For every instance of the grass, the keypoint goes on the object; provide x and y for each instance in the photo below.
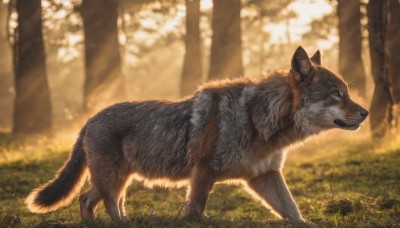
(336, 181)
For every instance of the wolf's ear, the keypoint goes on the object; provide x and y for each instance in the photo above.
(301, 65)
(316, 58)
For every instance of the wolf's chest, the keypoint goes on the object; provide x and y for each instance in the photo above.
(254, 166)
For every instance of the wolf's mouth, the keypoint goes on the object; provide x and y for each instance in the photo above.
(342, 124)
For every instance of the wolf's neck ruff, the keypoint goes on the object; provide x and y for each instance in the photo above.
(253, 120)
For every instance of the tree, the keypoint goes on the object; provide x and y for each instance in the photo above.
(192, 66)
(393, 45)
(6, 74)
(103, 82)
(350, 42)
(32, 112)
(382, 101)
(226, 46)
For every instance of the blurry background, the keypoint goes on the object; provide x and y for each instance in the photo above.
(63, 59)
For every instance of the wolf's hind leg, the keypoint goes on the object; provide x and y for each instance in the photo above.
(114, 198)
(201, 183)
(88, 202)
(110, 180)
(272, 188)
(105, 183)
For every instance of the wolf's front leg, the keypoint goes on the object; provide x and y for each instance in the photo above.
(271, 187)
(201, 182)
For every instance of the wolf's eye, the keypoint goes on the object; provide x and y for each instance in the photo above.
(336, 93)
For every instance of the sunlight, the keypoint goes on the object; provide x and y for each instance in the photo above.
(67, 54)
(147, 68)
(206, 4)
(122, 38)
(174, 23)
(74, 39)
(307, 11)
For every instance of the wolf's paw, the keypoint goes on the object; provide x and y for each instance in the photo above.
(193, 213)
(194, 217)
(302, 223)
(124, 218)
(309, 224)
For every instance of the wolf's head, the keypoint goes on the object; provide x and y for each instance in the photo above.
(321, 98)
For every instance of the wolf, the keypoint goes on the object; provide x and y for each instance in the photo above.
(233, 129)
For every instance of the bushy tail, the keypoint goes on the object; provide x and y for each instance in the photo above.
(66, 184)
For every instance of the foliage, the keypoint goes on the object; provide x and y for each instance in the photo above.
(322, 28)
(274, 10)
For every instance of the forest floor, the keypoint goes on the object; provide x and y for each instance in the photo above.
(337, 181)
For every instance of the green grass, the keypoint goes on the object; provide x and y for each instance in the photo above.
(337, 182)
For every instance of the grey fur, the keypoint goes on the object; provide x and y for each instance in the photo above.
(236, 129)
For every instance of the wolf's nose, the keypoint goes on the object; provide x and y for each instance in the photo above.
(364, 113)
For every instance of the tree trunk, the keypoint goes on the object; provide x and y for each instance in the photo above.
(382, 100)
(103, 83)
(6, 74)
(226, 46)
(393, 45)
(32, 113)
(192, 66)
(350, 44)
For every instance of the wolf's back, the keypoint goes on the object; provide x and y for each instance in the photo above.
(66, 184)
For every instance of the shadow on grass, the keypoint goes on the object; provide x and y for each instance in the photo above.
(163, 221)
(20, 177)
(11, 218)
